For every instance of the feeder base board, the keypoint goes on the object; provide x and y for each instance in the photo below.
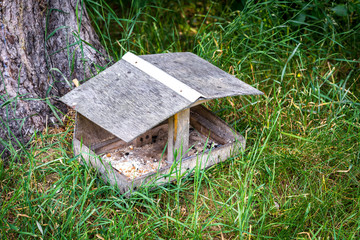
(162, 175)
(144, 160)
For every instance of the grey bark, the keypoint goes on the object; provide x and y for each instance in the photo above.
(39, 39)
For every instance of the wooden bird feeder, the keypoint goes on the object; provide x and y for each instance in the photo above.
(142, 115)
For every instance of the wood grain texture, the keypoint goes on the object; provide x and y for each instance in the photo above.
(233, 143)
(125, 101)
(35, 36)
(204, 77)
(91, 134)
(170, 144)
(181, 134)
(171, 173)
(73, 39)
(178, 135)
(105, 170)
(210, 125)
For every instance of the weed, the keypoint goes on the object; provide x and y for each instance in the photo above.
(299, 176)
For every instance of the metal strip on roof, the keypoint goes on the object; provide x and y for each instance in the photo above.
(137, 93)
(169, 81)
(200, 75)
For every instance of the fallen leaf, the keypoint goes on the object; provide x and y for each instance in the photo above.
(76, 82)
(99, 237)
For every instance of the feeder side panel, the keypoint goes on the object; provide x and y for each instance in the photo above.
(210, 125)
(107, 173)
(89, 133)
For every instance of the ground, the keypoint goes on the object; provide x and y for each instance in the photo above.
(299, 176)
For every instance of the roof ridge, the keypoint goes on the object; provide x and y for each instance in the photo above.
(174, 84)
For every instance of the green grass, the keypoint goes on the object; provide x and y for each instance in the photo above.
(299, 177)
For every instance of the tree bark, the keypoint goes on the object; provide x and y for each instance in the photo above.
(44, 45)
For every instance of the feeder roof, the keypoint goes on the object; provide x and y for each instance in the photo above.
(139, 92)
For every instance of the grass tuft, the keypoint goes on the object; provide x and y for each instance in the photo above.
(299, 176)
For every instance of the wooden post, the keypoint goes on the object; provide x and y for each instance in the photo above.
(170, 144)
(178, 136)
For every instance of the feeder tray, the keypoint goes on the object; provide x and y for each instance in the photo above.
(141, 120)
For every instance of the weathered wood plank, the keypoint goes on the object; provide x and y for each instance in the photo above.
(203, 161)
(197, 73)
(170, 144)
(181, 133)
(91, 134)
(210, 125)
(125, 101)
(201, 101)
(206, 159)
(147, 137)
(107, 173)
(178, 135)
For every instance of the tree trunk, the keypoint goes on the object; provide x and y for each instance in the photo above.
(44, 45)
